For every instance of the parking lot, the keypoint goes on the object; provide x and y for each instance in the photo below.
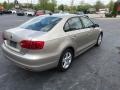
(96, 69)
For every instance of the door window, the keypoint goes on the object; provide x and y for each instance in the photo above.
(73, 24)
(87, 22)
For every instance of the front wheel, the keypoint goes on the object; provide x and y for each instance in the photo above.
(65, 60)
(99, 40)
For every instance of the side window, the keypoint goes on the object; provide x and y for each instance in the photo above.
(73, 24)
(87, 22)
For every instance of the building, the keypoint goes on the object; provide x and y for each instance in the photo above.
(117, 7)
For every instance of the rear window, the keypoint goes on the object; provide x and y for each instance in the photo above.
(43, 23)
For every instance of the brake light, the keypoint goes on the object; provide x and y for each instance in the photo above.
(28, 44)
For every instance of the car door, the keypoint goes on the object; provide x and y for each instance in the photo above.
(90, 30)
(74, 28)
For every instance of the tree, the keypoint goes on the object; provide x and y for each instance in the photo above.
(46, 5)
(61, 7)
(53, 5)
(11, 5)
(0, 3)
(114, 12)
(43, 4)
(37, 7)
(99, 5)
(5, 5)
(110, 5)
(84, 7)
(67, 8)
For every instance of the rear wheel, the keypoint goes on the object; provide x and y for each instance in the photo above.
(65, 60)
(99, 40)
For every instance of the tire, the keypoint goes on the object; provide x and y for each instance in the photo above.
(99, 40)
(64, 64)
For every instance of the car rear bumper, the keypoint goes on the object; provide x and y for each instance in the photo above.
(32, 64)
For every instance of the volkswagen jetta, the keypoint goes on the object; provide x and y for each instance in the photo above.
(50, 41)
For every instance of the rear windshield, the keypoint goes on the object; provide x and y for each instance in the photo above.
(43, 23)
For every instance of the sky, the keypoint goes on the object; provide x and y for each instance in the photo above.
(67, 2)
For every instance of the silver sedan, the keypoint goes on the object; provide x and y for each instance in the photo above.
(50, 41)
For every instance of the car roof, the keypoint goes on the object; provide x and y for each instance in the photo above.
(66, 15)
(63, 15)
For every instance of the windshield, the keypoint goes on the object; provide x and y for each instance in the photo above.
(43, 23)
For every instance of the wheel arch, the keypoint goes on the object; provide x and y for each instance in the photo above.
(71, 48)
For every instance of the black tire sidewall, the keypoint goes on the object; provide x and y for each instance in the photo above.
(97, 44)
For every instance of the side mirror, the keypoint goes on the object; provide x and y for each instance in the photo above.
(95, 25)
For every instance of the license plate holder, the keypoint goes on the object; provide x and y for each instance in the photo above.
(13, 44)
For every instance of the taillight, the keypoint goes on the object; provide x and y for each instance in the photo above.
(28, 44)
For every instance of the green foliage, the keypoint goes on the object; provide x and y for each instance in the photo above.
(5, 5)
(37, 7)
(110, 5)
(99, 5)
(52, 5)
(114, 12)
(73, 9)
(11, 5)
(46, 5)
(66, 8)
(43, 4)
(84, 7)
(61, 7)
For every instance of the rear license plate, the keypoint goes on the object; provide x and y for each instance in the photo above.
(13, 44)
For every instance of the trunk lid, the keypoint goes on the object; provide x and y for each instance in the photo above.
(13, 37)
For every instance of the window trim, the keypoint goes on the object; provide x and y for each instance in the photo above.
(69, 24)
(88, 19)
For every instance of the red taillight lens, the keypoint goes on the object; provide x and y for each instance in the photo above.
(32, 44)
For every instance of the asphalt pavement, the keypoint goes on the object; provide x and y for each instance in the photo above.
(96, 69)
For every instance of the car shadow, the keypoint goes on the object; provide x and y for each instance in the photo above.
(26, 80)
